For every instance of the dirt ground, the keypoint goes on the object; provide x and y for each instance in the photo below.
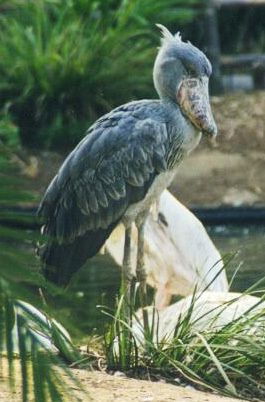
(229, 172)
(102, 387)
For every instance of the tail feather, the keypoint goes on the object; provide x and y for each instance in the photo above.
(61, 261)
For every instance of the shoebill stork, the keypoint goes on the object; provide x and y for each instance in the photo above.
(128, 157)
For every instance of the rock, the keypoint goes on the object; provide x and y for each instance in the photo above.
(237, 198)
(119, 374)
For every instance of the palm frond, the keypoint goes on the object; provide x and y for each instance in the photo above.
(36, 339)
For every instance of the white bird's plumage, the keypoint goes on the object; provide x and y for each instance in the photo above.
(210, 311)
(178, 254)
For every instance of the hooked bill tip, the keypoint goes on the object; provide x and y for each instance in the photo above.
(211, 132)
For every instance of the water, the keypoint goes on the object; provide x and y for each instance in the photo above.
(97, 283)
(247, 246)
(93, 289)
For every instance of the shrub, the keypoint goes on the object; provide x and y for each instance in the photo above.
(64, 63)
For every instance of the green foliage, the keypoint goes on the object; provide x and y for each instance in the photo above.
(11, 192)
(120, 347)
(64, 63)
(9, 132)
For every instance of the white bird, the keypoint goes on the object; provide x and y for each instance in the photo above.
(210, 311)
(179, 254)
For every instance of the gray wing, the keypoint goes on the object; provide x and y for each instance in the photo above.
(112, 168)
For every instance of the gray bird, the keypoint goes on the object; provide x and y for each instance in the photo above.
(128, 157)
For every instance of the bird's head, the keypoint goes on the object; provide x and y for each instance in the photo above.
(181, 74)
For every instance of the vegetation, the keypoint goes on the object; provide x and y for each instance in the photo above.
(22, 334)
(23, 329)
(64, 63)
(227, 358)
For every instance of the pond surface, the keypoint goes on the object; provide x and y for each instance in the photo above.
(246, 245)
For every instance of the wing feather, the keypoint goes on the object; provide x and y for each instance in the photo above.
(112, 167)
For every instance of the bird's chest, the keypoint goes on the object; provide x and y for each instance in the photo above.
(183, 139)
(160, 183)
(188, 142)
(191, 140)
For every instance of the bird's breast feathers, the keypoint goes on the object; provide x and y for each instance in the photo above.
(160, 183)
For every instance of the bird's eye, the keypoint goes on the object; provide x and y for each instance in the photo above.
(191, 72)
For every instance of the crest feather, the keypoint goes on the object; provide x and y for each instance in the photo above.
(167, 35)
(178, 37)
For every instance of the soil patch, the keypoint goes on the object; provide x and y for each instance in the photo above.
(102, 387)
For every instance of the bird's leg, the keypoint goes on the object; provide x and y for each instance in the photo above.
(126, 311)
(126, 266)
(140, 272)
(155, 210)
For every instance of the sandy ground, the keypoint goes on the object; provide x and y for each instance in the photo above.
(102, 387)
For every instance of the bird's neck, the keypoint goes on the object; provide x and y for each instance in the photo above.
(183, 136)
